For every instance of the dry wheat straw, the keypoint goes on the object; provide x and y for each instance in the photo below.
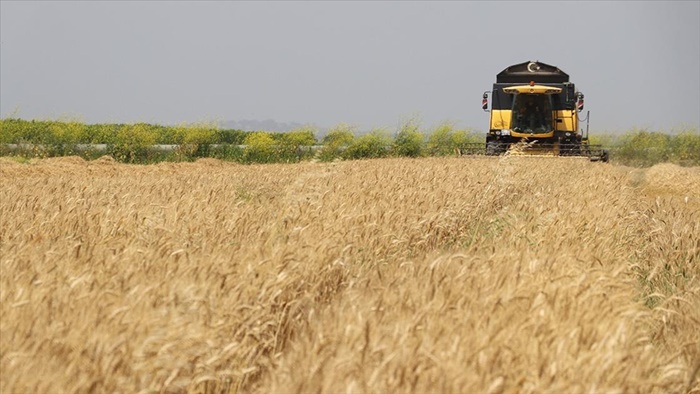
(516, 274)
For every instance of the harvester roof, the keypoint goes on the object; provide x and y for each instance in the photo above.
(532, 71)
(532, 89)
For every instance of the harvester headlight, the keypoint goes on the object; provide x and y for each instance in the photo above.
(568, 134)
(505, 132)
(498, 132)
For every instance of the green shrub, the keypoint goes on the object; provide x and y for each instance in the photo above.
(230, 136)
(461, 137)
(605, 140)
(68, 132)
(17, 131)
(685, 148)
(11, 131)
(194, 140)
(409, 140)
(294, 145)
(371, 145)
(643, 148)
(133, 143)
(62, 138)
(101, 134)
(441, 141)
(230, 152)
(337, 140)
(199, 135)
(260, 148)
(444, 140)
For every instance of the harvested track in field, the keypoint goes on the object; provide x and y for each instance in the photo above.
(397, 275)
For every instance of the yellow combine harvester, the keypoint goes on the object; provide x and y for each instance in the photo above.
(535, 111)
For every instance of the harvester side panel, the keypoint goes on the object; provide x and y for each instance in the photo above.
(567, 120)
(500, 119)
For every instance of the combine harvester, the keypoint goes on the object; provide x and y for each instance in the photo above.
(535, 111)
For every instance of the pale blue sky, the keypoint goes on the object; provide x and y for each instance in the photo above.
(365, 63)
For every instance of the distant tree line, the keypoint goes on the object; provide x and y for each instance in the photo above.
(134, 143)
(644, 148)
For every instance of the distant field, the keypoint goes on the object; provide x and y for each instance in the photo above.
(489, 275)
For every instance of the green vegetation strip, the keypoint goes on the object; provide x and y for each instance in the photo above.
(147, 143)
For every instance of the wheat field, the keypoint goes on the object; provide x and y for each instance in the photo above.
(441, 275)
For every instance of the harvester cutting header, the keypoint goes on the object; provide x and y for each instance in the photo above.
(535, 111)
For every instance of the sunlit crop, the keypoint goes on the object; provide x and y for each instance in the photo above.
(488, 275)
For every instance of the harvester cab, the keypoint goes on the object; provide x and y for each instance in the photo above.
(535, 111)
(532, 114)
(532, 109)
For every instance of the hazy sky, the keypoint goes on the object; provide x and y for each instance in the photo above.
(366, 63)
